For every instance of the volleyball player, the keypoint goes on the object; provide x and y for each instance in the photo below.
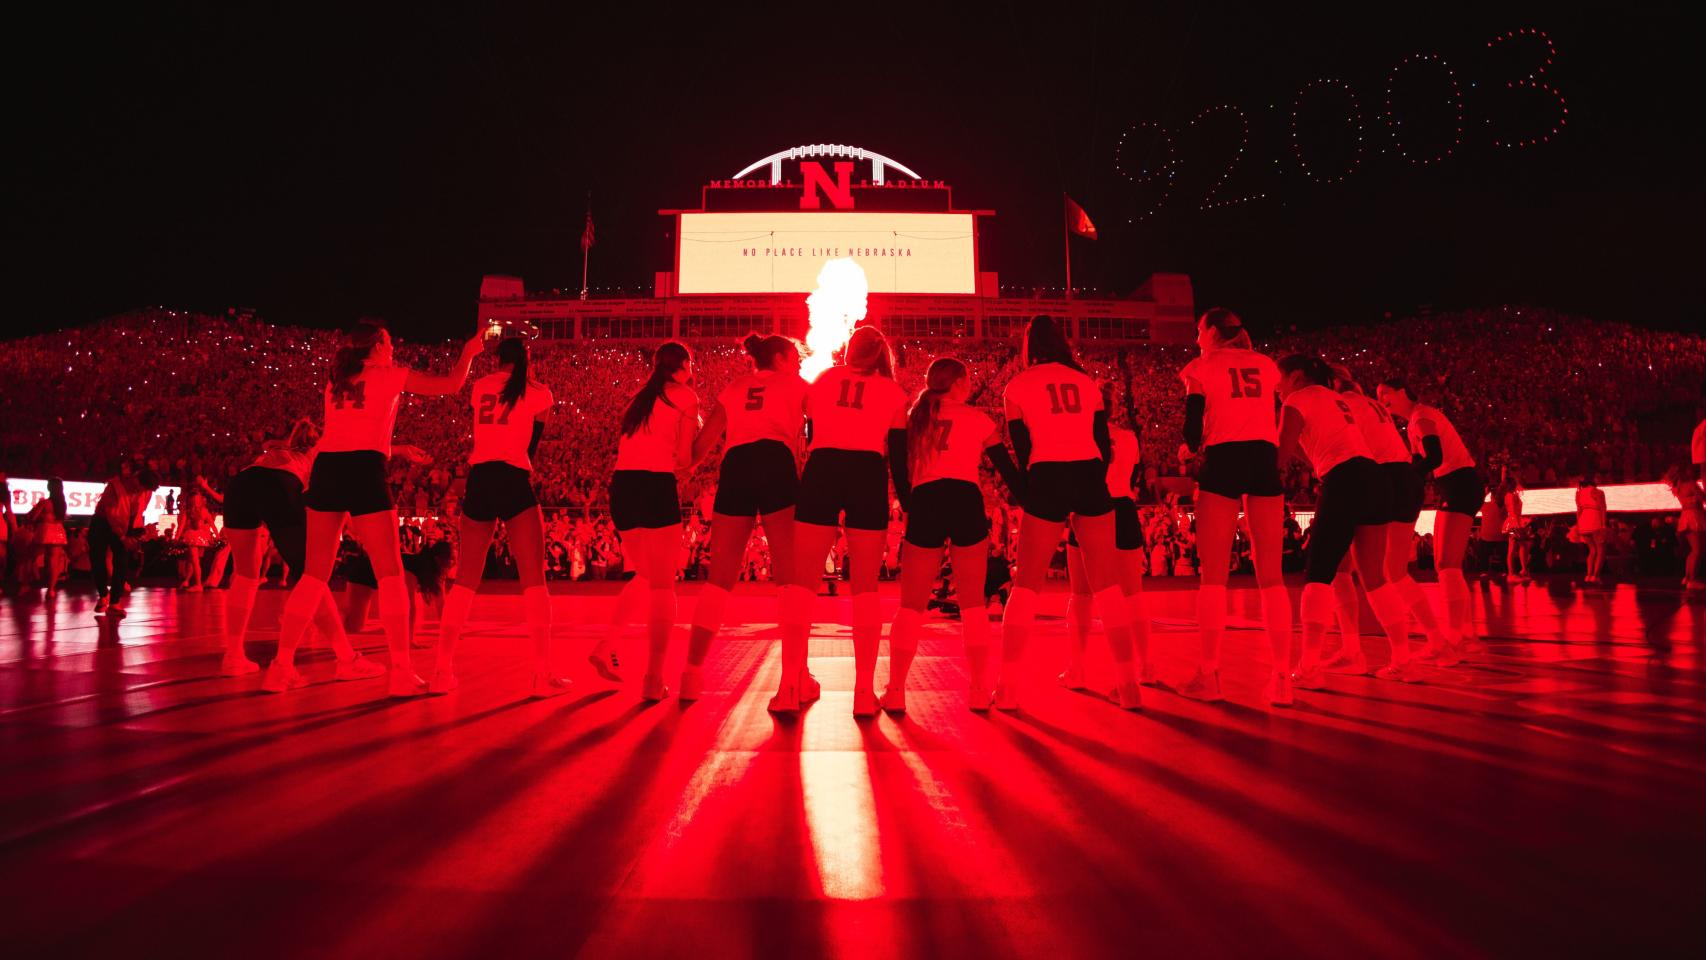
(1059, 430)
(1387, 447)
(762, 414)
(1352, 512)
(1128, 541)
(1436, 447)
(1230, 393)
(509, 412)
(264, 502)
(855, 409)
(348, 481)
(658, 428)
(936, 479)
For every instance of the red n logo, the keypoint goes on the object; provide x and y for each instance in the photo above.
(840, 192)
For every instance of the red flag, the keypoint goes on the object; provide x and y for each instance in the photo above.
(1078, 221)
(586, 235)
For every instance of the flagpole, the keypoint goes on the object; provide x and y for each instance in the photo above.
(586, 248)
(1066, 241)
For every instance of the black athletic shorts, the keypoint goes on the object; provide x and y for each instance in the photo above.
(854, 481)
(1353, 494)
(1405, 486)
(497, 491)
(352, 482)
(262, 495)
(1461, 491)
(1128, 529)
(756, 478)
(946, 511)
(643, 498)
(1055, 490)
(1241, 468)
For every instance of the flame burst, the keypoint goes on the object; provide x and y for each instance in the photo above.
(836, 307)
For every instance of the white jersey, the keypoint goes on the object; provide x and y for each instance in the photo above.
(1384, 440)
(1058, 405)
(1451, 445)
(852, 411)
(1330, 432)
(290, 461)
(655, 446)
(1697, 444)
(502, 432)
(953, 444)
(362, 414)
(1239, 387)
(766, 405)
(1124, 463)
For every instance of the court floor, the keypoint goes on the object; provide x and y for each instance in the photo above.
(1548, 798)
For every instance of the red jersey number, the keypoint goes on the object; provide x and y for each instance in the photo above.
(1246, 382)
(852, 395)
(489, 406)
(1064, 398)
(354, 394)
(755, 398)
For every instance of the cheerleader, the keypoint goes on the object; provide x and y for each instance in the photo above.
(263, 505)
(348, 481)
(1691, 525)
(937, 482)
(1436, 447)
(1517, 528)
(1229, 417)
(762, 415)
(1590, 526)
(853, 408)
(509, 411)
(658, 429)
(1059, 430)
(195, 532)
(1128, 541)
(1352, 512)
(47, 522)
(1404, 483)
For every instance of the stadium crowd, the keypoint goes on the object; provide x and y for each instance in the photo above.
(1540, 396)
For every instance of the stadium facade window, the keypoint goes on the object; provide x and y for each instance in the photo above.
(625, 328)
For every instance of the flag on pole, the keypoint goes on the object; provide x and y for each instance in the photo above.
(1078, 221)
(586, 235)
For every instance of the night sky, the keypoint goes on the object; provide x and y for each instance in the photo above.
(320, 164)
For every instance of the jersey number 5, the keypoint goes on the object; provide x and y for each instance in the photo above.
(852, 394)
(488, 404)
(355, 395)
(1063, 398)
(1246, 382)
(755, 398)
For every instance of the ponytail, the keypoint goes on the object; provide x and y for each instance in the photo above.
(357, 347)
(666, 363)
(868, 352)
(1228, 328)
(943, 374)
(766, 350)
(1045, 342)
(513, 351)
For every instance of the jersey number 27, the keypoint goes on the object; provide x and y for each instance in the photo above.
(488, 405)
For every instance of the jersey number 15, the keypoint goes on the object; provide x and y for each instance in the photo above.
(1246, 382)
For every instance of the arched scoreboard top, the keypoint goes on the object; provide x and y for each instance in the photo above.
(880, 164)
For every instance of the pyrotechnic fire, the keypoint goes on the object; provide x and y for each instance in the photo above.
(836, 307)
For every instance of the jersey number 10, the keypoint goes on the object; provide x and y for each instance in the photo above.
(1064, 398)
